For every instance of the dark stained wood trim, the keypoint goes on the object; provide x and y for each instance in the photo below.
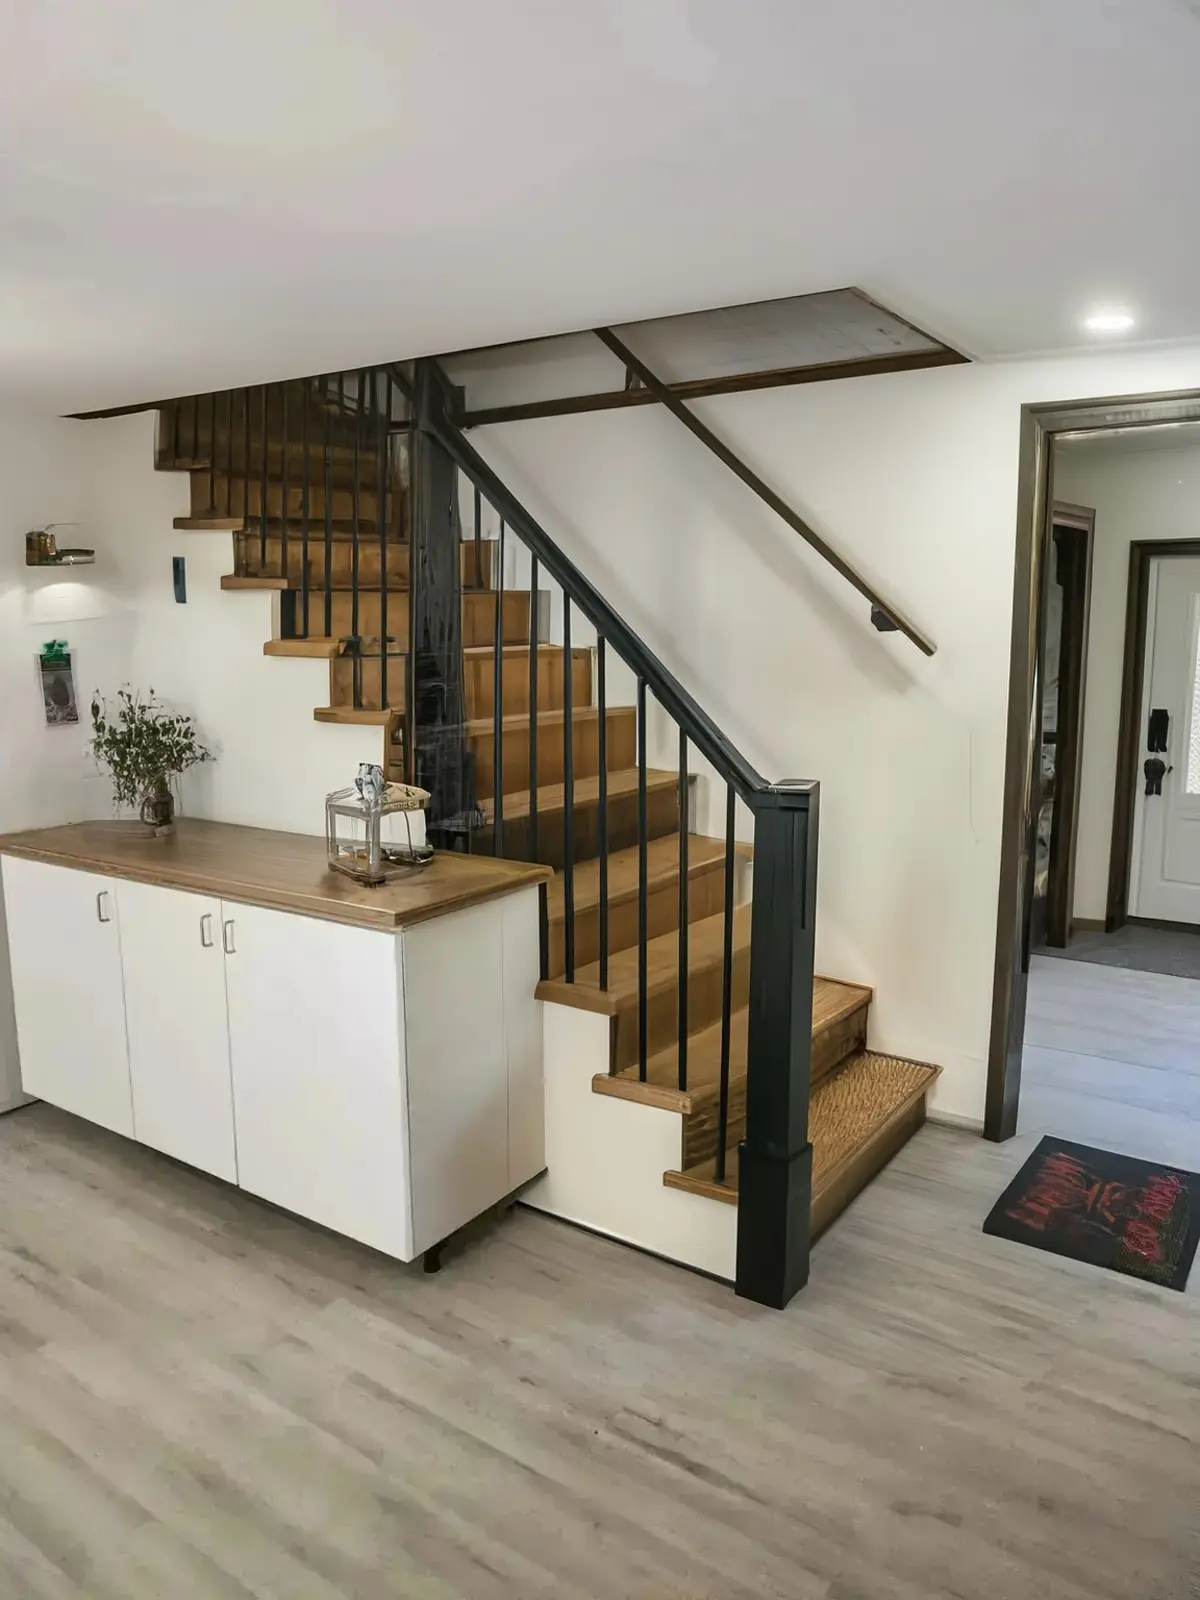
(1039, 425)
(1074, 542)
(1129, 742)
(763, 490)
(699, 388)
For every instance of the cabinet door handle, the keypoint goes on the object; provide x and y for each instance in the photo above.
(102, 907)
(206, 930)
(227, 937)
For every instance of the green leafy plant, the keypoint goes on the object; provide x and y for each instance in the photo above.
(142, 744)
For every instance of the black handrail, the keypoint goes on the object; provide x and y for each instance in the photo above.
(701, 730)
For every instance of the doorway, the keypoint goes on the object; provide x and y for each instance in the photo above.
(1065, 606)
(1036, 772)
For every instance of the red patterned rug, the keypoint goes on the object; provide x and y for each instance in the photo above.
(1111, 1210)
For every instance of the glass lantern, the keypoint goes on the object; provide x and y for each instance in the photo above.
(354, 828)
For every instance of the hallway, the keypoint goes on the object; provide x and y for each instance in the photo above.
(1112, 1058)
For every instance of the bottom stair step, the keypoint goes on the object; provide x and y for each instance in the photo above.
(858, 1119)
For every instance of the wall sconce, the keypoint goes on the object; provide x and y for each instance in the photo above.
(43, 550)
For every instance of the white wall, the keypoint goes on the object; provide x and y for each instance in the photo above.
(274, 764)
(914, 478)
(1136, 495)
(44, 777)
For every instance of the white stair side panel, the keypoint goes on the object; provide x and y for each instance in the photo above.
(606, 1157)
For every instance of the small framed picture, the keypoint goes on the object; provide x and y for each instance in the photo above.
(58, 685)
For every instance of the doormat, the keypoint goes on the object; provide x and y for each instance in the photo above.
(1111, 1210)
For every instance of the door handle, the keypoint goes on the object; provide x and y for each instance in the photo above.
(102, 913)
(227, 937)
(206, 930)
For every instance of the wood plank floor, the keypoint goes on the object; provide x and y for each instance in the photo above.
(201, 1397)
(1112, 1058)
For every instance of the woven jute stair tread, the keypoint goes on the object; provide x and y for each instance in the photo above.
(857, 1100)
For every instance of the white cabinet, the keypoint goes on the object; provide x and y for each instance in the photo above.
(318, 1072)
(178, 1026)
(386, 1084)
(65, 953)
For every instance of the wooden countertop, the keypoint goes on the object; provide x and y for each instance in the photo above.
(259, 867)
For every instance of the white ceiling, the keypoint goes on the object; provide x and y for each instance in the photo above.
(198, 192)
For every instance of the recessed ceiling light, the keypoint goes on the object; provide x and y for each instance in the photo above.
(1108, 322)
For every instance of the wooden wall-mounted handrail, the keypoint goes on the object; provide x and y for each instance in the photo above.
(751, 479)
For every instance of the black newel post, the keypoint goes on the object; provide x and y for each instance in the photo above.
(775, 1160)
(435, 647)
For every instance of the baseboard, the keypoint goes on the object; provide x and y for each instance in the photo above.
(951, 1119)
(1159, 922)
(1087, 925)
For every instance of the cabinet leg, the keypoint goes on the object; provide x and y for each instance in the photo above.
(432, 1259)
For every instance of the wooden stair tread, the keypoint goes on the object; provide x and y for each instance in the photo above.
(833, 1001)
(319, 649)
(662, 866)
(853, 1109)
(342, 528)
(551, 797)
(706, 944)
(233, 580)
(360, 717)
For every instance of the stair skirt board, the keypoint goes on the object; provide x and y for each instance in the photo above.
(605, 1157)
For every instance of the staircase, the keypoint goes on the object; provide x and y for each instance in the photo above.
(647, 923)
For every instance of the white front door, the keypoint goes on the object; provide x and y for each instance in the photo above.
(1166, 865)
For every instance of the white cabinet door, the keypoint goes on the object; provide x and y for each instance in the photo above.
(316, 1043)
(178, 1025)
(65, 949)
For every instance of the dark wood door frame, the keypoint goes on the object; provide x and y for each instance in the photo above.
(1040, 425)
(1072, 531)
(1142, 552)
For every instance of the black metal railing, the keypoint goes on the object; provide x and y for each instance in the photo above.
(765, 988)
(399, 485)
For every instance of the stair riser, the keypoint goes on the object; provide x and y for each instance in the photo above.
(700, 1126)
(833, 1198)
(342, 552)
(706, 896)
(834, 1044)
(585, 746)
(195, 456)
(204, 418)
(662, 817)
(704, 1007)
(480, 678)
(229, 497)
(479, 616)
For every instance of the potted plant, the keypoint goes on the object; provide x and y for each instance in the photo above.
(144, 746)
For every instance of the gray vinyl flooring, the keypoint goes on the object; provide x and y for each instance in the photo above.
(1173, 951)
(201, 1397)
(1112, 1058)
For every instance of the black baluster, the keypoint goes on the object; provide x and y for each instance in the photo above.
(212, 453)
(305, 477)
(410, 668)
(285, 486)
(246, 454)
(534, 684)
(328, 488)
(229, 452)
(726, 989)
(498, 705)
(264, 488)
(643, 875)
(354, 511)
(195, 429)
(478, 540)
(385, 423)
(602, 812)
(568, 803)
(683, 909)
